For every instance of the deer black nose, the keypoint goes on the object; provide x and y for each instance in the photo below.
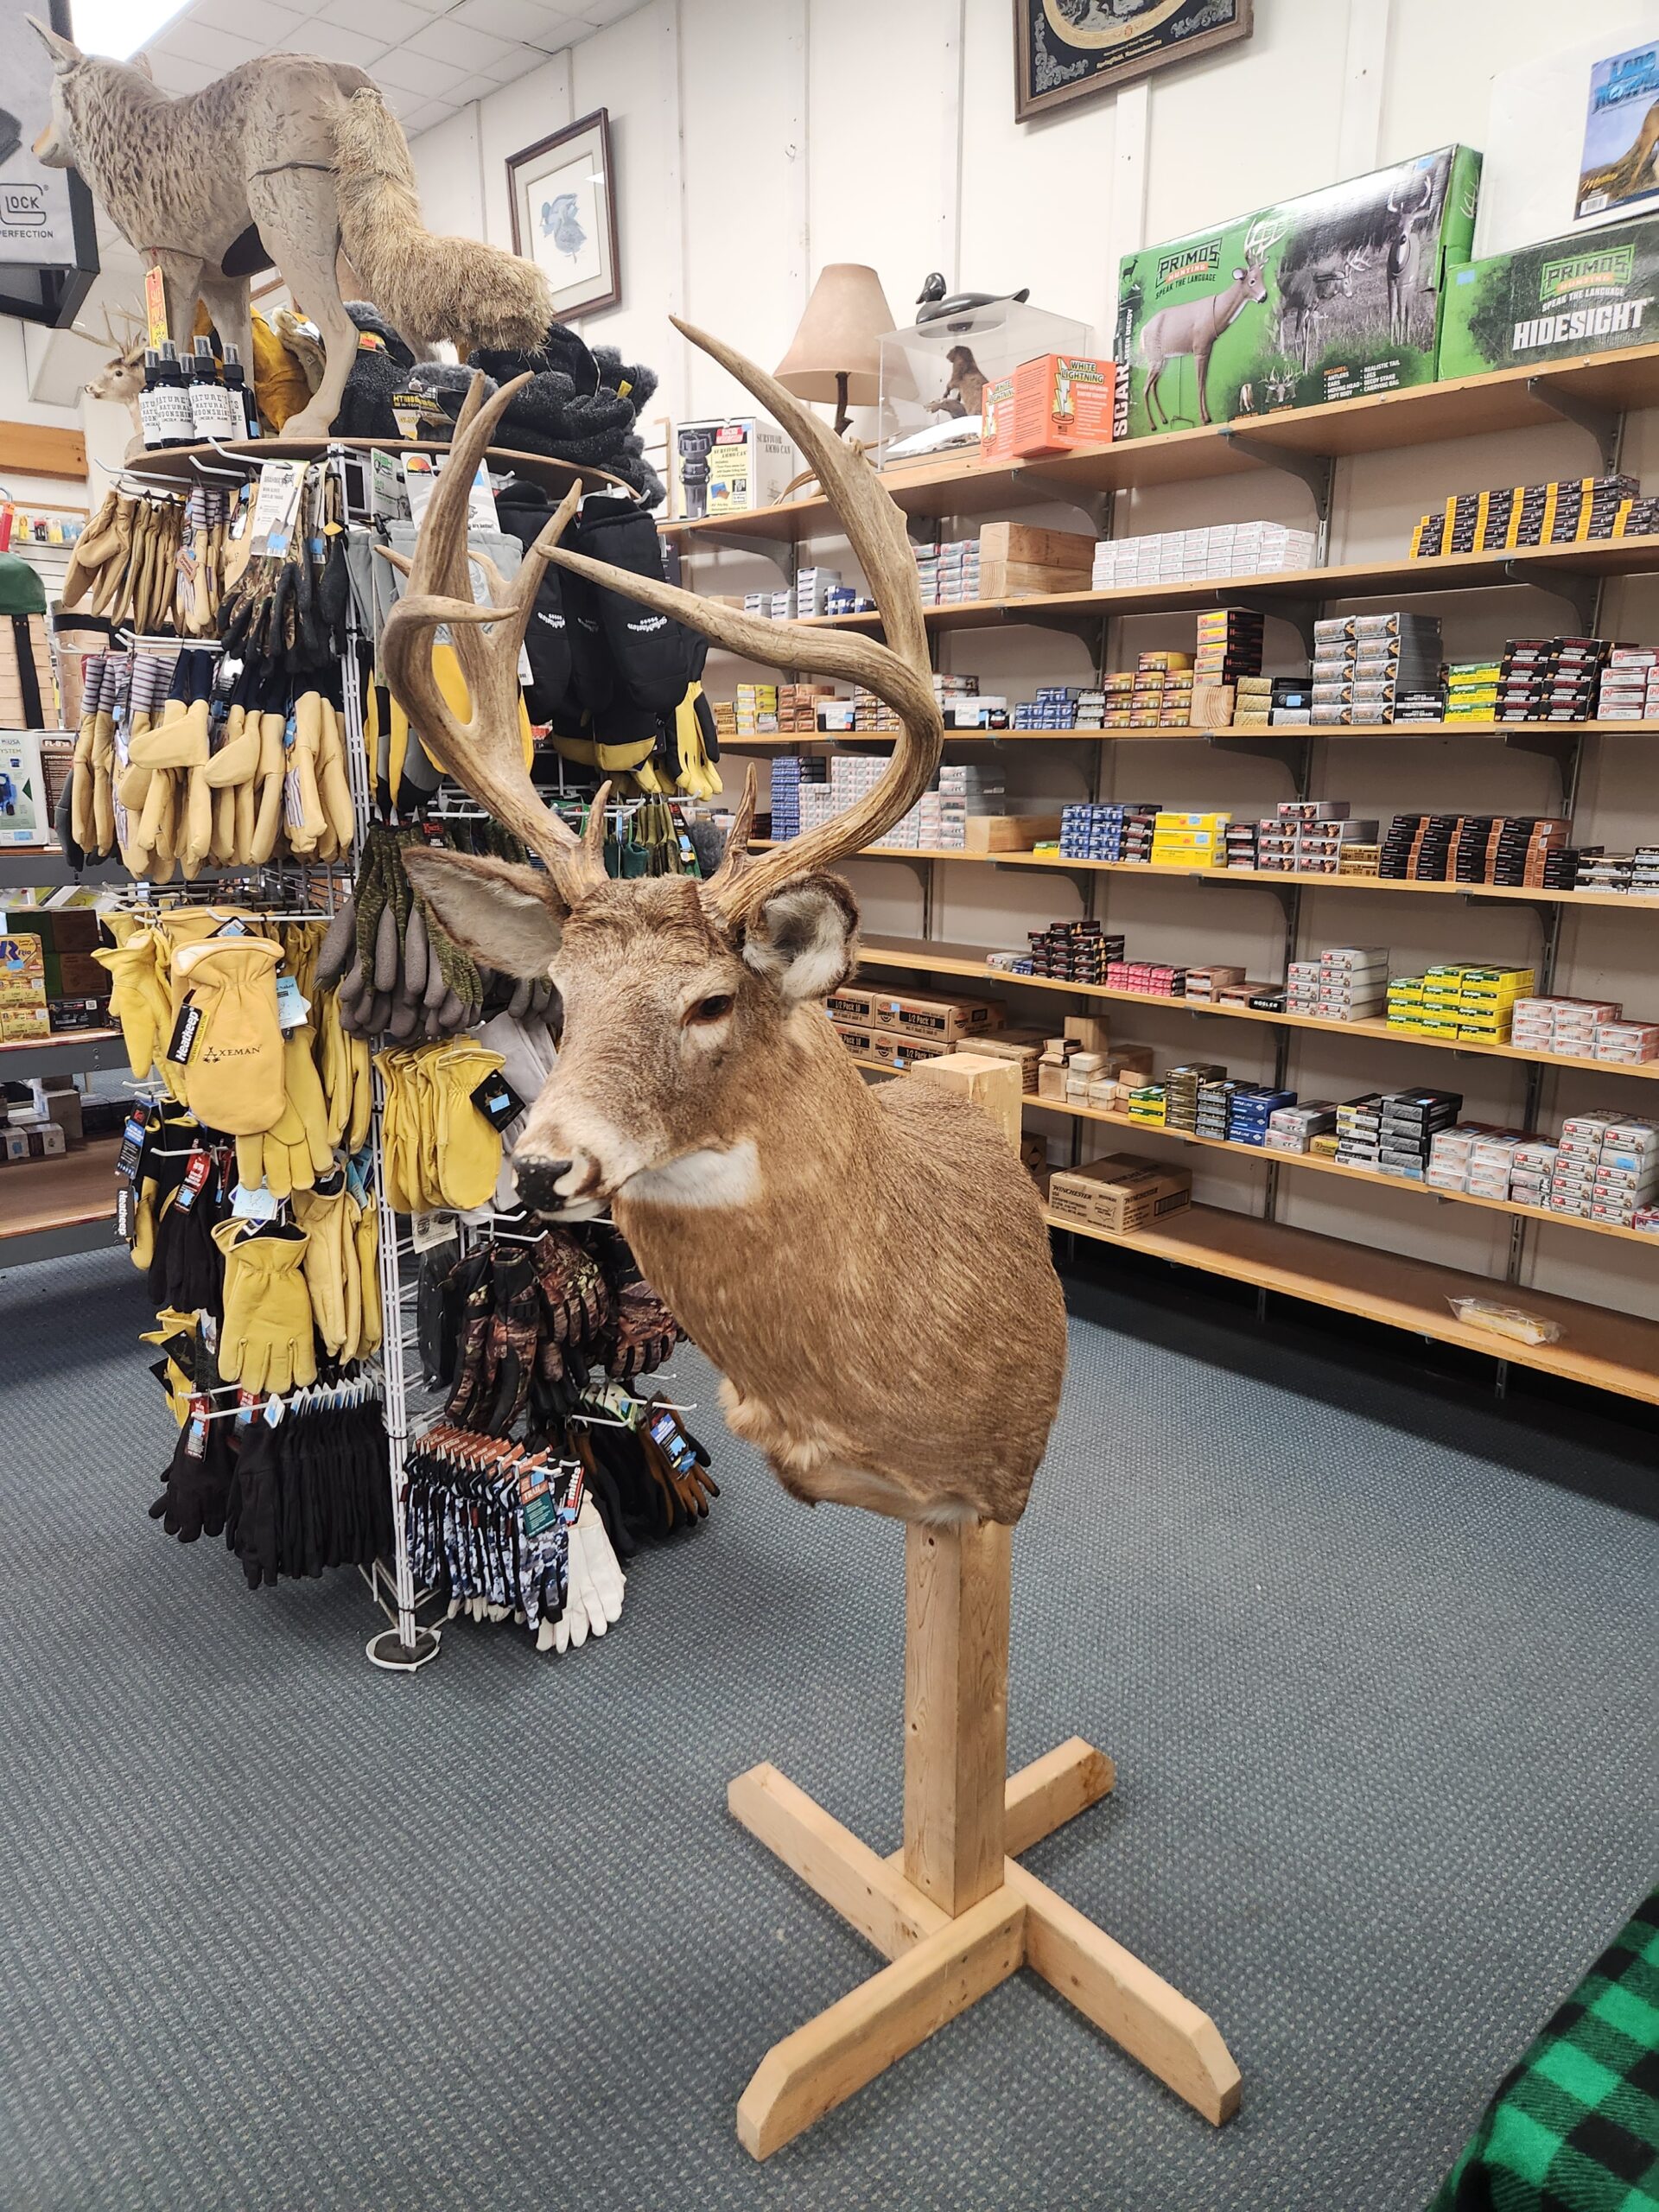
(538, 1181)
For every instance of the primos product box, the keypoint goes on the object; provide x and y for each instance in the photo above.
(729, 466)
(1123, 1192)
(1585, 295)
(1329, 296)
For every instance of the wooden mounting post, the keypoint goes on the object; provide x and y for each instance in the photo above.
(952, 1911)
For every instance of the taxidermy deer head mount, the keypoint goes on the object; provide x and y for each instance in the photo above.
(122, 377)
(869, 1268)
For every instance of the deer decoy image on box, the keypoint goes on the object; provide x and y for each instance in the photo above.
(1193, 326)
(868, 1268)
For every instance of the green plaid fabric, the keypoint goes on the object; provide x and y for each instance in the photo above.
(1575, 2127)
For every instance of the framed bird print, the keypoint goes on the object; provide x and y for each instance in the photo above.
(563, 201)
(1068, 50)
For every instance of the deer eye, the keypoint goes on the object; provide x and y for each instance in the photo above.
(712, 1009)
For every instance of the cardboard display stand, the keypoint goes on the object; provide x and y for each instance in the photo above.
(953, 1911)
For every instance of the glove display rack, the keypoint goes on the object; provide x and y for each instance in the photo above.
(491, 1445)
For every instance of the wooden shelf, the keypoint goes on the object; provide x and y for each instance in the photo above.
(41, 1198)
(1265, 1157)
(961, 484)
(923, 958)
(1259, 879)
(789, 743)
(1533, 565)
(1270, 877)
(1600, 1347)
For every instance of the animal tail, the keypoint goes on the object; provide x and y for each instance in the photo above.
(428, 287)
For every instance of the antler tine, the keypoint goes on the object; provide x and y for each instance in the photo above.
(735, 859)
(898, 671)
(483, 753)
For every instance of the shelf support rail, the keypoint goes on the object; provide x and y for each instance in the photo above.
(1605, 424)
(1317, 471)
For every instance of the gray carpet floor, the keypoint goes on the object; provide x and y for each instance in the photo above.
(278, 1931)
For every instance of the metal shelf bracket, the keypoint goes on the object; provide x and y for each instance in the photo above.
(1605, 424)
(1026, 483)
(1553, 742)
(1300, 614)
(1087, 624)
(1580, 592)
(1290, 752)
(778, 551)
(1317, 471)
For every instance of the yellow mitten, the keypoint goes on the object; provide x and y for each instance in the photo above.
(469, 1146)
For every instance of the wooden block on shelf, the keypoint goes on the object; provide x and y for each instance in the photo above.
(1027, 580)
(1008, 833)
(1019, 542)
(1212, 706)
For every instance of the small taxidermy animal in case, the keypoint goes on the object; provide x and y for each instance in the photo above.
(965, 393)
(701, 1094)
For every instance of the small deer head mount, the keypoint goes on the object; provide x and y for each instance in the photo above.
(828, 1248)
(122, 377)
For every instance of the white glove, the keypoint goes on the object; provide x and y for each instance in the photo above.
(593, 1597)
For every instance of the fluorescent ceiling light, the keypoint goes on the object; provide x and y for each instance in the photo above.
(119, 27)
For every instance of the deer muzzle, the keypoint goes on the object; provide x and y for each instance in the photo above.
(557, 1188)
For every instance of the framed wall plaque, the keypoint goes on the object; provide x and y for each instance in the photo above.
(562, 195)
(1067, 49)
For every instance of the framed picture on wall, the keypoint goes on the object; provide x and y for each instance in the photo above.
(562, 191)
(1068, 50)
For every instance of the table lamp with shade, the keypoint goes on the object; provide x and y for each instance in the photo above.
(836, 354)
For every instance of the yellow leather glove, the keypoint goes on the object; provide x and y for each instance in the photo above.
(234, 1075)
(323, 1217)
(469, 1153)
(265, 1341)
(367, 1235)
(137, 1000)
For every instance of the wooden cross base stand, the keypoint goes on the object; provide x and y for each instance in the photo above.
(954, 1910)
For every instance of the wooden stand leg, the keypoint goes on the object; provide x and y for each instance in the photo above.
(955, 1709)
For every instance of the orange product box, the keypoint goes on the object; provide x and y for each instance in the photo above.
(1060, 400)
(996, 420)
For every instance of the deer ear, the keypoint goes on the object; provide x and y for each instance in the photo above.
(509, 917)
(64, 51)
(804, 938)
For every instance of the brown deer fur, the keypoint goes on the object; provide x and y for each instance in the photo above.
(870, 1269)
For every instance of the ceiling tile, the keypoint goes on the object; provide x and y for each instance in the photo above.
(197, 41)
(513, 64)
(336, 41)
(408, 72)
(526, 20)
(391, 21)
(463, 49)
(423, 118)
(403, 104)
(175, 74)
(478, 88)
(263, 21)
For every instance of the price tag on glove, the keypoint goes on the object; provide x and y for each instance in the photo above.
(498, 1102)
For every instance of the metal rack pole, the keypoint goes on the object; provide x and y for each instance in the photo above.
(409, 1645)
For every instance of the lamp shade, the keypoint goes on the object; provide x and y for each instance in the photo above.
(840, 335)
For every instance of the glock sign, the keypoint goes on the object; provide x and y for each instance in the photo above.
(23, 207)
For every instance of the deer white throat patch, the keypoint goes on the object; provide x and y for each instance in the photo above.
(705, 1180)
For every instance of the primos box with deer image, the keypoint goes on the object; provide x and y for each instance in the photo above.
(1123, 1192)
(1586, 295)
(1329, 296)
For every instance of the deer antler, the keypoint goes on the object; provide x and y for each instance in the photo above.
(898, 671)
(483, 754)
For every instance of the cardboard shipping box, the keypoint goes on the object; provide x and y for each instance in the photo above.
(1586, 295)
(1122, 1193)
(1328, 296)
